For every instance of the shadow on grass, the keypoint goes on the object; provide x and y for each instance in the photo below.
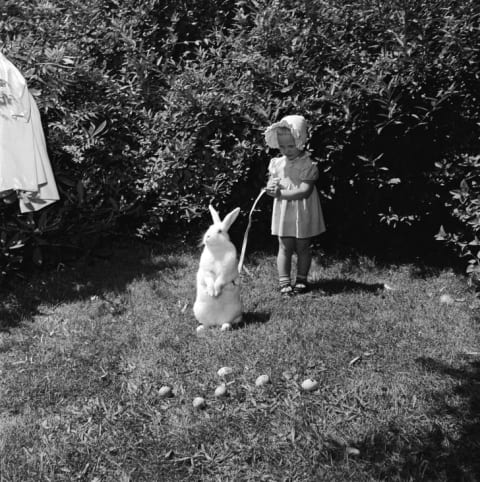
(335, 286)
(253, 318)
(82, 279)
(450, 450)
(10, 316)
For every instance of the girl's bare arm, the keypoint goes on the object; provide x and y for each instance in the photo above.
(301, 192)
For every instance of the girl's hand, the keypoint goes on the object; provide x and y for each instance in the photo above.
(272, 183)
(274, 191)
(273, 187)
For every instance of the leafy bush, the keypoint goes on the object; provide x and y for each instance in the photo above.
(389, 89)
(81, 103)
(464, 234)
(154, 108)
(99, 71)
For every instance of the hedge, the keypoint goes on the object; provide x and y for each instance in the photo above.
(154, 108)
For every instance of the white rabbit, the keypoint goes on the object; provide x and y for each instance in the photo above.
(218, 300)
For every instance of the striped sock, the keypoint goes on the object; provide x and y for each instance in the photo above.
(284, 281)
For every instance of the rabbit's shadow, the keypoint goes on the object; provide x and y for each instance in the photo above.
(252, 318)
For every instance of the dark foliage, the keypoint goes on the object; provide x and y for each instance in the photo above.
(154, 108)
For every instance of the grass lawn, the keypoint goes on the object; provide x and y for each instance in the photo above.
(84, 351)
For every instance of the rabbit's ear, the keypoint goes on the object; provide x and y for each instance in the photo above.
(229, 219)
(215, 215)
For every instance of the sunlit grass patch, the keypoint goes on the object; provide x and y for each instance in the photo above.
(396, 396)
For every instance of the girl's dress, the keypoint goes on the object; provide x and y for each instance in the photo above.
(24, 162)
(302, 218)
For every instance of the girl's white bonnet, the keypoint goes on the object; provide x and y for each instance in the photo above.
(296, 124)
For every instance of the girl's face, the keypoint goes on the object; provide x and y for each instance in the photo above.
(286, 144)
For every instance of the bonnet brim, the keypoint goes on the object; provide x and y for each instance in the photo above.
(296, 124)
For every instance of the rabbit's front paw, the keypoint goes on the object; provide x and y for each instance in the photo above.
(217, 288)
(211, 291)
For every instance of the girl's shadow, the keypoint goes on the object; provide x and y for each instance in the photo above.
(338, 285)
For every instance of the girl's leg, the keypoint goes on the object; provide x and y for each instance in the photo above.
(304, 260)
(286, 248)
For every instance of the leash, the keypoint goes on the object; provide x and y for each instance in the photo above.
(245, 236)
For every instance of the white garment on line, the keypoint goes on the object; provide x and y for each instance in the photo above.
(24, 162)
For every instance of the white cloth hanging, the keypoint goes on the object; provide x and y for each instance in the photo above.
(24, 162)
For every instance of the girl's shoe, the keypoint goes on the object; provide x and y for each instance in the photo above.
(300, 288)
(286, 291)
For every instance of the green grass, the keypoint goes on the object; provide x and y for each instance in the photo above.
(84, 350)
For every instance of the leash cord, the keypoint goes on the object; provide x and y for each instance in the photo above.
(245, 236)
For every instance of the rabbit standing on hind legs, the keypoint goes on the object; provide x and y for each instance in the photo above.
(218, 300)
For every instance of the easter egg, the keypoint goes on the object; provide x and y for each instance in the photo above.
(262, 380)
(353, 451)
(165, 391)
(309, 385)
(221, 390)
(226, 327)
(446, 299)
(198, 402)
(224, 371)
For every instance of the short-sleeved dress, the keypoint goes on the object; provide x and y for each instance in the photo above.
(302, 218)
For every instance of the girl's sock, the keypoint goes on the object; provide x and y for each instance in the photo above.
(301, 285)
(301, 280)
(284, 281)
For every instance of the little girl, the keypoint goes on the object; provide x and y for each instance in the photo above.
(297, 214)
